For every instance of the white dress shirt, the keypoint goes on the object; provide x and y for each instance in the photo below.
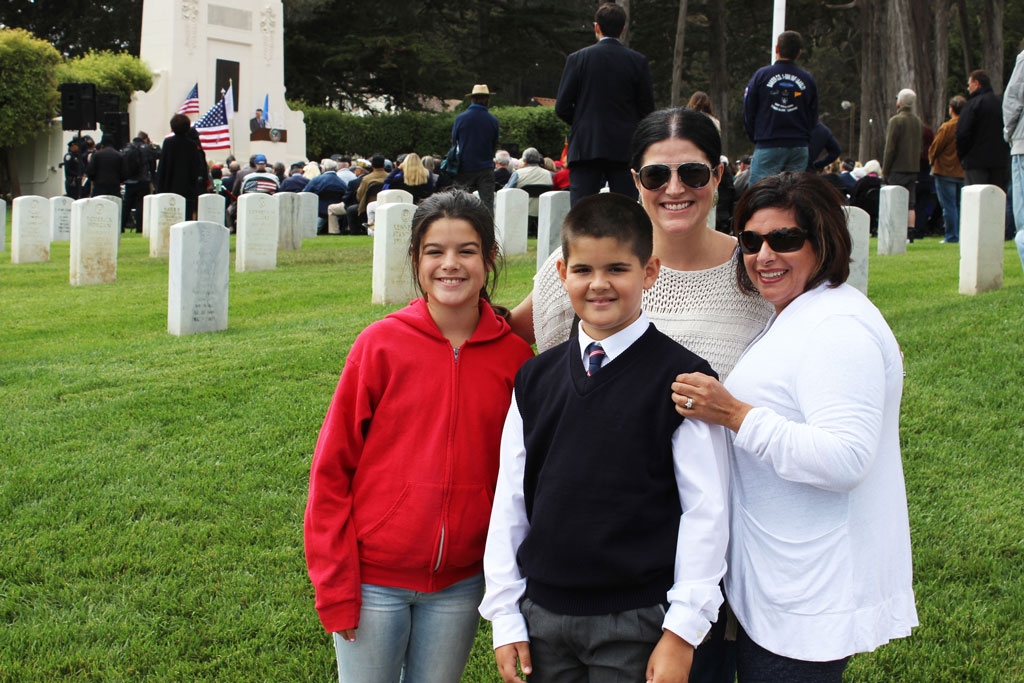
(700, 465)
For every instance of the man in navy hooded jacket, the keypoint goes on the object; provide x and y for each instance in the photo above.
(780, 108)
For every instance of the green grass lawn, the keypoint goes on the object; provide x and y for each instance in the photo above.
(152, 487)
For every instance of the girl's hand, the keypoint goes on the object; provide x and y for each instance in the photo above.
(708, 400)
(348, 635)
(505, 657)
(671, 660)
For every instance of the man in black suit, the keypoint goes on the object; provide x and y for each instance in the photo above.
(257, 122)
(605, 91)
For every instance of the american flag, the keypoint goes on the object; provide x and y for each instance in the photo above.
(191, 103)
(213, 128)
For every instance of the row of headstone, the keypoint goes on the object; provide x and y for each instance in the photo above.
(552, 208)
(3, 225)
(30, 230)
(197, 278)
(60, 219)
(511, 215)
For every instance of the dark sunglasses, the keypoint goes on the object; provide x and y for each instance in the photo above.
(782, 240)
(691, 173)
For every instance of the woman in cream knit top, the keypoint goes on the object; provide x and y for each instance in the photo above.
(695, 299)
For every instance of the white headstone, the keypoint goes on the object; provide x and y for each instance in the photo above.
(256, 241)
(982, 216)
(147, 207)
(289, 233)
(166, 210)
(893, 201)
(30, 230)
(3, 225)
(94, 232)
(392, 272)
(118, 202)
(551, 210)
(859, 224)
(309, 205)
(511, 210)
(60, 219)
(211, 208)
(197, 281)
(394, 197)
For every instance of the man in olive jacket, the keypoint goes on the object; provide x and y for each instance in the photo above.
(902, 160)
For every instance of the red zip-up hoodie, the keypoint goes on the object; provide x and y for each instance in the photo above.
(405, 466)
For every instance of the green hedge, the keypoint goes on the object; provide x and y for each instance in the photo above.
(329, 131)
(118, 73)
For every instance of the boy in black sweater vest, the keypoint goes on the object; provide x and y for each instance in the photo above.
(609, 507)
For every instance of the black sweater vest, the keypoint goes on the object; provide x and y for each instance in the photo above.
(599, 486)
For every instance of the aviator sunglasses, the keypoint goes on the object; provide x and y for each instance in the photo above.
(693, 174)
(782, 240)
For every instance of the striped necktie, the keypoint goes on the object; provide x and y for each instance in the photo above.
(595, 355)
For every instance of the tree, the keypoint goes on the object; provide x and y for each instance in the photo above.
(119, 74)
(677, 54)
(75, 27)
(28, 94)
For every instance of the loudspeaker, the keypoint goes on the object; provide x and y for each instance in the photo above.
(106, 103)
(116, 125)
(78, 106)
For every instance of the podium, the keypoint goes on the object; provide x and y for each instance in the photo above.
(269, 135)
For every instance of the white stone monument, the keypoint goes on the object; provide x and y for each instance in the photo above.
(392, 281)
(511, 211)
(3, 225)
(166, 209)
(289, 233)
(982, 220)
(207, 43)
(211, 208)
(197, 281)
(147, 208)
(893, 201)
(117, 202)
(394, 197)
(30, 230)
(309, 205)
(551, 210)
(60, 219)
(94, 233)
(256, 241)
(858, 222)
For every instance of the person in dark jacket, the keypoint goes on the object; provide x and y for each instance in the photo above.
(104, 169)
(181, 165)
(780, 108)
(983, 152)
(604, 92)
(475, 133)
(137, 179)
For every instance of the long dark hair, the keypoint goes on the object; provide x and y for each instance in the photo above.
(818, 209)
(460, 205)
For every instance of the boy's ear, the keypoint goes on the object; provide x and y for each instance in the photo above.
(651, 270)
(562, 271)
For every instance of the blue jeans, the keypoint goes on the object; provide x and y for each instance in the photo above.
(948, 190)
(1017, 173)
(771, 160)
(412, 636)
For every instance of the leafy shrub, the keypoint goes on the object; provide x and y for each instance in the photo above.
(118, 73)
(28, 85)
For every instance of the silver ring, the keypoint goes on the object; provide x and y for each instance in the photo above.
(689, 403)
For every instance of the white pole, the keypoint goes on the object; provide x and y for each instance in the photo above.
(778, 26)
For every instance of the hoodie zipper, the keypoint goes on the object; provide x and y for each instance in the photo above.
(448, 447)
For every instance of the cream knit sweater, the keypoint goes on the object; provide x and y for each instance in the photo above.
(703, 310)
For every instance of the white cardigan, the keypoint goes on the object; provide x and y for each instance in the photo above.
(819, 551)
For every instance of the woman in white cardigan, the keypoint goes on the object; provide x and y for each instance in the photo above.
(819, 551)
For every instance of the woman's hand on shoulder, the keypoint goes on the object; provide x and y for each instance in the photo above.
(704, 398)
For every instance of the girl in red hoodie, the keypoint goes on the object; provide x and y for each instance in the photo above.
(405, 466)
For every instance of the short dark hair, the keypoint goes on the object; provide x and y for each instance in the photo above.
(459, 205)
(377, 161)
(818, 208)
(849, 164)
(180, 124)
(790, 43)
(981, 76)
(610, 215)
(485, 100)
(611, 19)
(956, 103)
(681, 123)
